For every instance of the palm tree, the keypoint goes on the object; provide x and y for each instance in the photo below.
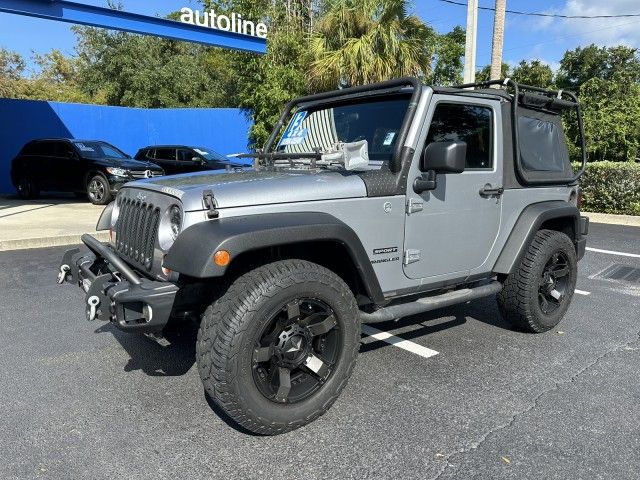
(363, 41)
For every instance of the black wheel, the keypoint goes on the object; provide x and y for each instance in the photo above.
(537, 295)
(275, 351)
(98, 190)
(27, 188)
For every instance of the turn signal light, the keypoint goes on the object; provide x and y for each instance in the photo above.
(221, 258)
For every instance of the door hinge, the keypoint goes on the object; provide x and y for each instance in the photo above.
(411, 256)
(414, 206)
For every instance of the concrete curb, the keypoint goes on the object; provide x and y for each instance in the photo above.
(43, 242)
(629, 220)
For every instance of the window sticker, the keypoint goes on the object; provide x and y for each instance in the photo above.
(83, 147)
(388, 139)
(295, 134)
(201, 152)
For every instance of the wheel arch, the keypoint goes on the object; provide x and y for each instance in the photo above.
(555, 215)
(254, 240)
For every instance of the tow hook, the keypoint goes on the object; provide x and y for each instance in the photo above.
(64, 269)
(93, 302)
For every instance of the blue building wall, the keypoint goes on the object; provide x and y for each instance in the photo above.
(225, 130)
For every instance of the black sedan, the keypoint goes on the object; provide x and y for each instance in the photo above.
(182, 158)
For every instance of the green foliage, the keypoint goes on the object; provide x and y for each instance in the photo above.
(448, 63)
(484, 73)
(11, 68)
(611, 187)
(612, 119)
(606, 63)
(139, 71)
(365, 41)
(533, 73)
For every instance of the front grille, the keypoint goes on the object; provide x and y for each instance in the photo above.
(136, 231)
(145, 174)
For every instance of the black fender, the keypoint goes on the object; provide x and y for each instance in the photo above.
(192, 252)
(528, 223)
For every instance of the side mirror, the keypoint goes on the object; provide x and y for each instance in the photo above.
(444, 157)
(198, 160)
(440, 157)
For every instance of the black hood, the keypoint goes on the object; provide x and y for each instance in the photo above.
(127, 163)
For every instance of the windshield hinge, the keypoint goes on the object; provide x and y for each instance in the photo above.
(210, 204)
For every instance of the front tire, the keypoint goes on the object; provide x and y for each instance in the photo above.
(275, 351)
(537, 294)
(27, 188)
(98, 190)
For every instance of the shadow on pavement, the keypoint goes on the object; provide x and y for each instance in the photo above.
(173, 358)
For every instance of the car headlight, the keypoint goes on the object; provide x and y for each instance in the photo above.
(118, 172)
(175, 220)
(170, 226)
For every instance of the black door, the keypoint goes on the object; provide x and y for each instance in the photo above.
(166, 158)
(190, 161)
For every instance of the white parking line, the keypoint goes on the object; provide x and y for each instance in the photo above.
(398, 342)
(613, 252)
(582, 292)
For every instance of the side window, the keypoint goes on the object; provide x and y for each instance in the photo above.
(467, 123)
(541, 147)
(185, 155)
(166, 154)
(63, 149)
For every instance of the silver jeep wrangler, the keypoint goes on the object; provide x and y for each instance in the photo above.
(366, 205)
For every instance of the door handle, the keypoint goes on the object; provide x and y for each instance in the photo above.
(489, 191)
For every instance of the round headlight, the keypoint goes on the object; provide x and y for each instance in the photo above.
(175, 220)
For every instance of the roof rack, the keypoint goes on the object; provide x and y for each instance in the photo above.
(530, 96)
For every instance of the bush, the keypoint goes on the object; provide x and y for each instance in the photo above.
(611, 187)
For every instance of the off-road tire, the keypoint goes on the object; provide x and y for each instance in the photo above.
(103, 195)
(519, 299)
(229, 329)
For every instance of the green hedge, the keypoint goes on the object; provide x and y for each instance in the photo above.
(611, 187)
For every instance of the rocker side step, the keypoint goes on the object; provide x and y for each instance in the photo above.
(426, 304)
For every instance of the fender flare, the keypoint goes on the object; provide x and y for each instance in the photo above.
(192, 252)
(525, 228)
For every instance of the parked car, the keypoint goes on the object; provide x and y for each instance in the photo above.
(183, 159)
(85, 167)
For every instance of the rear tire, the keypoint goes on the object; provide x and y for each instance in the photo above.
(27, 188)
(275, 351)
(537, 294)
(98, 190)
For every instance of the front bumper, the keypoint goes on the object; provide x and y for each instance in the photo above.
(114, 292)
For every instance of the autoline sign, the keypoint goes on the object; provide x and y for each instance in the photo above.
(228, 23)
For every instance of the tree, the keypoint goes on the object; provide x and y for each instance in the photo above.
(582, 64)
(365, 41)
(141, 71)
(484, 73)
(11, 69)
(448, 63)
(533, 73)
(612, 118)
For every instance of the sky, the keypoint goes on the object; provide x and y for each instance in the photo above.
(526, 37)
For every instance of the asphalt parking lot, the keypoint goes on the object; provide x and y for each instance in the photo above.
(467, 398)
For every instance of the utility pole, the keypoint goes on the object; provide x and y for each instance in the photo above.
(498, 39)
(470, 42)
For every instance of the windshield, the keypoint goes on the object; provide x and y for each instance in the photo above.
(210, 155)
(376, 120)
(99, 150)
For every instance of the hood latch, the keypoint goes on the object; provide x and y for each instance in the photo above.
(210, 204)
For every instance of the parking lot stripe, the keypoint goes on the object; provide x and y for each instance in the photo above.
(613, 252)
(582, 292)
(398, 342)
